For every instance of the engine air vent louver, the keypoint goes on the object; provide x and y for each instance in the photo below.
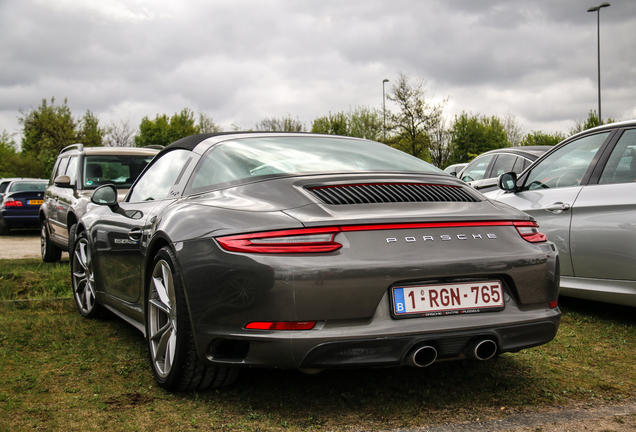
(374, 193)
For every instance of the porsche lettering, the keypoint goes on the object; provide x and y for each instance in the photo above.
(443, 237)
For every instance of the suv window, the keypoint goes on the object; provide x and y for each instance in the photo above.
(61, 168)
(71, 170)
(120, 170)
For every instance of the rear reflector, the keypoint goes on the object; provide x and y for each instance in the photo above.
(553, 304)
(285, 325)
(308, 240)
(530, 231)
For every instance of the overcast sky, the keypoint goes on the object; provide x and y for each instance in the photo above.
(242, 61)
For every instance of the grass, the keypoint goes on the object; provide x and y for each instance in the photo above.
(61, 371)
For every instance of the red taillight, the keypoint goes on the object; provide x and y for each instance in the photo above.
(530, 231)
(284, 325)
(553, 304)
(10, 202)
(308, 240)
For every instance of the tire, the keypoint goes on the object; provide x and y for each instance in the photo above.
(171, 348)
(4, 230)
(50, 252)
(83, 279)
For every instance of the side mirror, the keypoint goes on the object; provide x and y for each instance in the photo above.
(454, 174)
(63, 181)
(106, 195)
(508, 182)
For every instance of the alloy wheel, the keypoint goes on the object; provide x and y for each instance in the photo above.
(83, 277)
(162, 319)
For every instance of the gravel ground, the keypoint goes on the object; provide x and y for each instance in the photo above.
(21, 243)
(615, 418)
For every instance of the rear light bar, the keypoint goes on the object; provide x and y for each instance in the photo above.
(281, 325)
(308, 240)
(315, 240)
(530, 231)
(10, 202)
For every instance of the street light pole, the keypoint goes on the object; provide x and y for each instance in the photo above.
(597, 9)
(384, 106)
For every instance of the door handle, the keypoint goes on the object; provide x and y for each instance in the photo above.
(135, 233)
(558, 207)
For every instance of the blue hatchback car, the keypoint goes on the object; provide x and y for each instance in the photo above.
(20, 204)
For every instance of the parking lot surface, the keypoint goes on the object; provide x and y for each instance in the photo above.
(21, 244)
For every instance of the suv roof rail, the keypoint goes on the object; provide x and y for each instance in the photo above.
(155, 147)
(78, 146)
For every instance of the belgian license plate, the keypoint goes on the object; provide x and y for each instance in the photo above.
(35, 202)
(448, 299)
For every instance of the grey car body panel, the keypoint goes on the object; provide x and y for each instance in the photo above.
(347, 291)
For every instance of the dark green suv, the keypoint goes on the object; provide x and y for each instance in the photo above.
(78, 170)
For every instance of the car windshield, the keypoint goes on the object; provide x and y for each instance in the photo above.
(121, 170)
(28, 186)
(257, 157)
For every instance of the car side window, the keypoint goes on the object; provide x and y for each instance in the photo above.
(567, 165)
(61, 168)
(503, 164)
(520, 164)
(476, 170)
(71, 170)
(156, 182)
(621, 165)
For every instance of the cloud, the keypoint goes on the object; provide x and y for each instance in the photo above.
(241, 61)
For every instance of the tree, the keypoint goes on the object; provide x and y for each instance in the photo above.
(163, 130)
(440, 147)
(590, 122)
(120, 134)
(365, 122)
(89, 133)
(541, 138)
(48, 128)
(283, 124)
(514, 131)
(473, 135)
(360, 121)
(334, 124)
(411, 125)
(207, 124)
(16, 164)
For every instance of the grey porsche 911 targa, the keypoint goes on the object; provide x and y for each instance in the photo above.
(307, 251)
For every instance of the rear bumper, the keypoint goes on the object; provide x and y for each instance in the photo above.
(383, 341)
(22, 221)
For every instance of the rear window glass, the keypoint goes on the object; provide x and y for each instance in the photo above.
(253, 158)
(120, 170)
(28, 186)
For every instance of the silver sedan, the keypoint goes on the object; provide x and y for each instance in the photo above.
(583, 194)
